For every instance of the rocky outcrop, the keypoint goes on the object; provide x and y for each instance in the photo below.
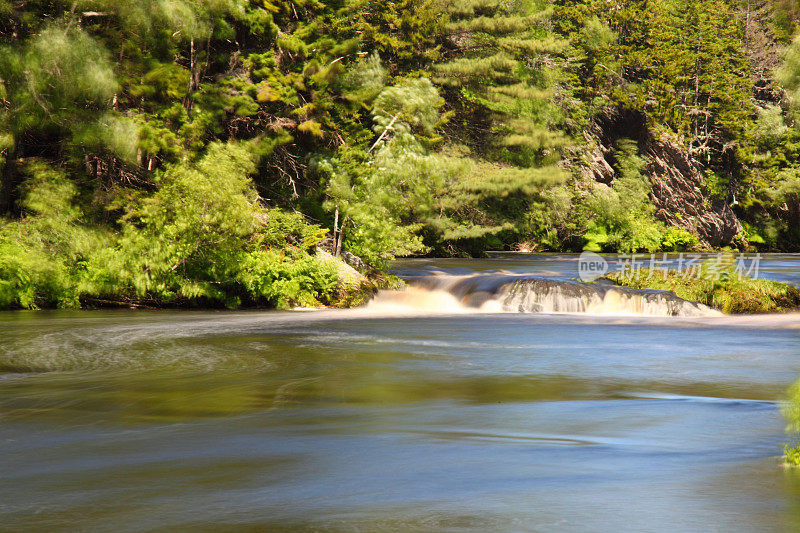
(678, 195)
(328, 245)
(677, 178)
(348, 276)
(598, 160)
(358, 282)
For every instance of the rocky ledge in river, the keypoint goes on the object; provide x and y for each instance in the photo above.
(729, 293)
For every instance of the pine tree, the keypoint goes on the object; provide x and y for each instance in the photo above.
(499, 64)
(702, 83)
(403, 32)
(608, 57)
(760, 44)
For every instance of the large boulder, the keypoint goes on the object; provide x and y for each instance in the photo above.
(348, 276)
(328, 245)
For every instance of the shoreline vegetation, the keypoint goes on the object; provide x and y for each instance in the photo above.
(202, 239)
(724, 291)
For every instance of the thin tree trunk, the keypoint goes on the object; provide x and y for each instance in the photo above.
(9, 180)
(335, 228)
(384, 133)
(341, 238)
(187, 103)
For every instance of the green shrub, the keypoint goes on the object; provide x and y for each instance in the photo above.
(204, 235)
(281, 228)
(602, 218)
(676, 239)
(282, 281)
(42, 255)
(791, 411)
(186, 240)
(624, 211)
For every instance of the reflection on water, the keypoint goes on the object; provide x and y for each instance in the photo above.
(361, 420)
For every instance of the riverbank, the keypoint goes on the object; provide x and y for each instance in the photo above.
(262, 280)
(315, 279)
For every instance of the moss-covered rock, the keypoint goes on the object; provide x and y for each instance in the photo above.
(728, 293)
(357, 288)
(357, 295)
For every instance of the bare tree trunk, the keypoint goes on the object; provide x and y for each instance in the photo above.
(9, 180)
(385, 131)
(335, 228)
(341, 238)
(187, 102)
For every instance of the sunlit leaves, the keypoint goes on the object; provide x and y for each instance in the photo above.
(42, 255)
(411, 105)
(60, 75)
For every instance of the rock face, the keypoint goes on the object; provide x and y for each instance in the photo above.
(599, 168)
(676, 177)
(678, 195)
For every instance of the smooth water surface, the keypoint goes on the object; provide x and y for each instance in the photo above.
(355, 420)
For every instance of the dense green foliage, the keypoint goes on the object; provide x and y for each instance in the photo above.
(203, 236)
(196, 152)
(617, 217)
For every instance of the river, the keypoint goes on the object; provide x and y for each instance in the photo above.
(399, 417)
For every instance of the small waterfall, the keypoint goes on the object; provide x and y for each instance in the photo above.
(498, 293)
(545, 296)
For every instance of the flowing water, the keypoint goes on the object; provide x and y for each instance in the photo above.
(490, 395)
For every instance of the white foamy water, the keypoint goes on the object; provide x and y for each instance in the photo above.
(502, 293)
(416, 299)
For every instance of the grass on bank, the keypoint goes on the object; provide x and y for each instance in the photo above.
(726, 290)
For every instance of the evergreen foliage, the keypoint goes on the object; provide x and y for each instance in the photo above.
(43, 255)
